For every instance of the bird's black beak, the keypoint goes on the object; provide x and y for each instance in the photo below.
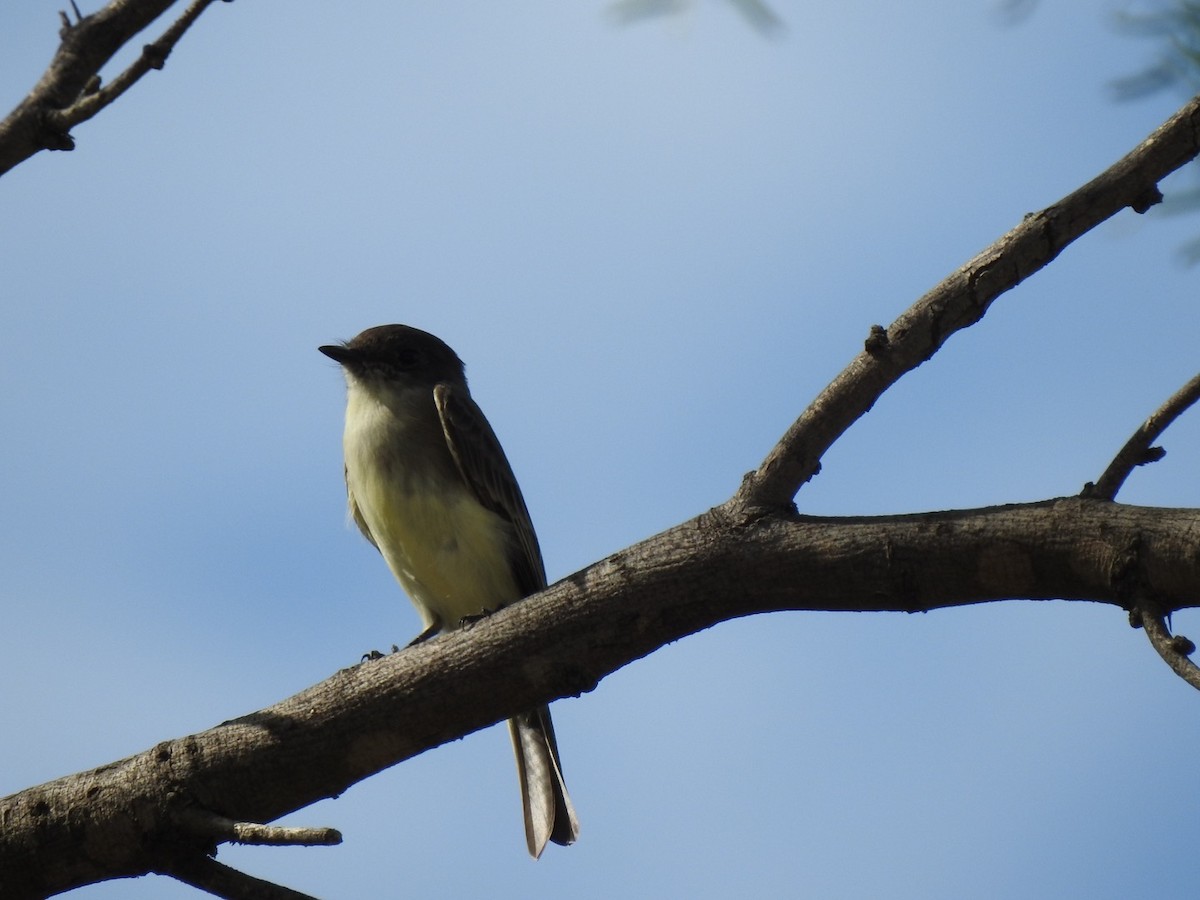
(338, 353)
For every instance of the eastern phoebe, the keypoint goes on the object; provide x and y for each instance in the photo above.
(430, 487)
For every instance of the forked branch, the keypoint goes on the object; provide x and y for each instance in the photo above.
(70, 92)
(1138, 450)
(962, 299)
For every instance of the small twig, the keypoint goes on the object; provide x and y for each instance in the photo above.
(153, 56)
(1137, 450)
(1174, 649)
(207, 824)
(218, 879)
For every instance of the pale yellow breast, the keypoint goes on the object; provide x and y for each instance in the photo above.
(449, 553)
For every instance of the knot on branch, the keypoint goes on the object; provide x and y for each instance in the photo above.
(155, 55)
(52, 135)
(1150, 455)
(1150, 196)
(876, 343)
(1182, 645)
(1128, 582)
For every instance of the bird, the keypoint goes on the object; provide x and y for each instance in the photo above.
(429, 485)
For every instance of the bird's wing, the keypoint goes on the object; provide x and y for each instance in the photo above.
(485, 469)
(356, 513)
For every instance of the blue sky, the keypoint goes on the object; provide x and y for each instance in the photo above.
(652, 246)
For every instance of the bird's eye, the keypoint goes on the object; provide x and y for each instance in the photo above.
(407, 358)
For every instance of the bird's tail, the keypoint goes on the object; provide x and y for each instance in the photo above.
(549, 815)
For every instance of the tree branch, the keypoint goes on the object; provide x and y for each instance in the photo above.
(1137, 450)
(153, 56)
(220, 829)
(215, 878)
(69, 93)
(1174, 649)
(962, 299)
(121, 819)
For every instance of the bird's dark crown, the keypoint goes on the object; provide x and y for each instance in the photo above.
(398, 351)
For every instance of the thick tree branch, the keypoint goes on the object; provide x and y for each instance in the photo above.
(962, 299)
(121, 819)
(1138, 450)
(69, 91)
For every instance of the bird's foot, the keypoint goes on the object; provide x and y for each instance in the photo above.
(372, 655)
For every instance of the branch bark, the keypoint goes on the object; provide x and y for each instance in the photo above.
(69, 91)
(121, 819)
